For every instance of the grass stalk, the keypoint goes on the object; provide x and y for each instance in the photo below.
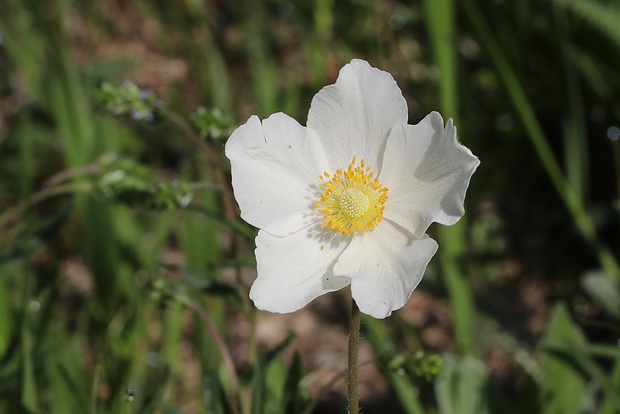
(534, 131)
(441, 19)
(226, 357)
(573, 125)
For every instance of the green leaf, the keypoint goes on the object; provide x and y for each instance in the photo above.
(607, 407)
(6, 316)
(275, 383)
(407, 392)
(29, 393)
(602, 289)
(45, 231)
(563, 383)
(276, 351)
(385, 348)
(241, 229)
(291, 386)
(568, 364)
(258, 387)
(213, 393)
(210, 286)
(461, 388)
(262, 368)
(77, 391)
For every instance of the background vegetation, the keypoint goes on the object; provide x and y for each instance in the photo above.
(124, 269)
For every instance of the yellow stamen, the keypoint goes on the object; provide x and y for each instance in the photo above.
(351, 200)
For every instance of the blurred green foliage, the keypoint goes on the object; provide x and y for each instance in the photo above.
(129, 100)
(111, 167)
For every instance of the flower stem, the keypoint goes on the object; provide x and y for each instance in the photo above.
(354, 342)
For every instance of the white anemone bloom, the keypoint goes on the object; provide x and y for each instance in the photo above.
(347, 200)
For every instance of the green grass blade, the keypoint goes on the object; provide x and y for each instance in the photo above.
(461, 387)
(77, 389)
(29, 395)
(214, 395)
(607, 407)
(6, 316)
(259, 388)
(601, 17)
(218, 78)
(441, 23)
(576, 159)
(407, 393)
(563, 387)
(535, 132)
(385, 348)
(264, 69)
(94, 389)
(290, 398)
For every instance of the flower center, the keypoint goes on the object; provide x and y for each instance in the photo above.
(352, 200)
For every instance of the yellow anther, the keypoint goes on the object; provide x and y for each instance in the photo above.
(351, 199)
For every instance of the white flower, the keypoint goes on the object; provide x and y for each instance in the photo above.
(347, 199)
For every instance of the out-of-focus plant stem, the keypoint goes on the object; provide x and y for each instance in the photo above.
(216, 170)
(441, 26)
(226, 357)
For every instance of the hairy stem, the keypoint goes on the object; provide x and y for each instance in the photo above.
(354, 342)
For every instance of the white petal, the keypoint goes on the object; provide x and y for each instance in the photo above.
(427, 172)
(275, 173)
(295, 269)
(354, 116)
(385, 265)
